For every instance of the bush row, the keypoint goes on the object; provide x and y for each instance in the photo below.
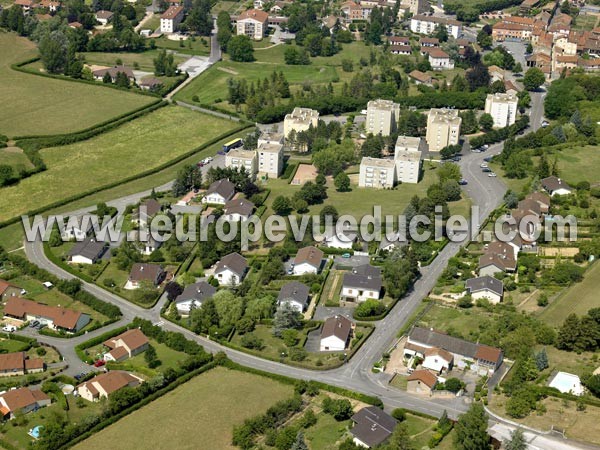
(500, 134)
(458, 100)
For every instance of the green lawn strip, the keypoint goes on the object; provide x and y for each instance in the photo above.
(144, 59)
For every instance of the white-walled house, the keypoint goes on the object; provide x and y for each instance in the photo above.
(231, 269)
(438, 360)
(556, 186)
(308, 260)
(193, 296)
(362, 283)
(295, 294)
(485, 287)
(86, 252)
(336, 334)
(219, 193)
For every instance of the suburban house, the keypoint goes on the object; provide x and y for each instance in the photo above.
(56, 318)
(428, 42)
(147, 245)
(8, 290)
(219, 193)
(22, 400)
(294, 294)
(193, 296)
(78, 231)
(362, 283)
(555, 186)
(398, 49)
(372, 427)
(153, 274)
(421, 382)
(421, 78)
(150, 84)
(87, 251)
(344, 239)
(308, 260)
(231, 269)
(104, 16)
(171, 18)
(336, 334)
(480, 358)
(437, 360)
(439, 59)
(105, 384)
(126, 345)
(145, 212)
(25, 5)
(238, 210)
(19, 363)
(543, 200)
(113, 71)
(499, 257)
(486, 287)
(252, 23)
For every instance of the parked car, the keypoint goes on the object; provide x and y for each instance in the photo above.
(34, 324)
(545, 124)
(346, 255)
(99, 363)
(9, 328)
(40, 325)
(486, 169)
(485, 147)
(487, 159)
(491, 174)
(463, 182)
(483, 165)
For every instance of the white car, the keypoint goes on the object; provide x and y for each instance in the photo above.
(483, 165)
(491, 174)
(9, 328)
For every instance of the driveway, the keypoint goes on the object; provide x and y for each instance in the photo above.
(195, 65)
(323, 312)
(353, 261)
(313, 341)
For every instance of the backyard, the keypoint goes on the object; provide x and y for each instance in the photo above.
(39, 105)
(186, 416)
(132, 148)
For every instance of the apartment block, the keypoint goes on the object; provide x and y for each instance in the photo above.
(300, 119)
(382, 116)
(239, 158)
(443, 128)
(270, 158)
(252, 23)
(407, 156)
(428, 24)
(415, 6)
(171, 18)
(377, 173)
(502, 107)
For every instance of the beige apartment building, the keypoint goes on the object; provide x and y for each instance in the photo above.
(253, 23)
(270, 159)
(300, 119)
(382, 116)
(443, 128)
(407, 155)
(239, 158)
(377, 173)
(415, 6)
(502, 107)
(407, 144)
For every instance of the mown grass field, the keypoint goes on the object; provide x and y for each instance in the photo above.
(577, 164)
(134, 147)
(38, 105)
(144, 59)
(15, 158)
(199, 414)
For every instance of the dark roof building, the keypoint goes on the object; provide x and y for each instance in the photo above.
(486, 283)
(88, 249)
(309, 255)
(224, 188)
(364, 277)
(233, 262)
(337, 326)
(294, 292)
(197, 292)
(146, 272)
(554, 185)
(372, 426)
(239, 206)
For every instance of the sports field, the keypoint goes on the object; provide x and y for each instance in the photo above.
(134, 147)
(37, 105)
(199, 414)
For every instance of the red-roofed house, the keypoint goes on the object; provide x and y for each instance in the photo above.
(54, 317)
(253, 23)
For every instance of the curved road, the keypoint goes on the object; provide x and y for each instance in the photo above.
(485, 192)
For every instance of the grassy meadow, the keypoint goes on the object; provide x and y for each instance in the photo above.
(39, 105)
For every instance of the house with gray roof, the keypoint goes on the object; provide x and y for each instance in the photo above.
(372, 427)
(145, 212)
(238, 210)
(486, 287)
(153, 274)
(87, 252)
(362, 283)
(193, 296)
(219, 193)
(295, 294)
(231, 269)
(336, 334)
(556, 186)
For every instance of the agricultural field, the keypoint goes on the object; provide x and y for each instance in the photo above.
(187, 415)
(14, 157)
(40, 105)
(145, 60)
(134, 147)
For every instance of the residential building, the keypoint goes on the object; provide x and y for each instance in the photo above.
(498, 257)
(270, 159)
(22, 401)
(143, 215)
(486, 287)
(193, 296)
(130, 343)
(443, 128)
(239, 158)
(113, 72)
(502, 31)
(362, 283)
(77, 231)
(440, 60)
(103, 16)
(336, 334)
(372, 427)
(429, 42)
(152, 274)
(377, 173)
(399, 40)
(150, 84)
(52, 6)
(556, 186)
(87, 251)
(294, 294)
(238, 210)
(567, 383)
(543, 200)
(382, 116)
(8, 290)
(231, 269)
(421, 78)
(480, 358)
(342, 239)
(438, 360)
(352, 11)
(398, 49)
(308, 260)
(252, 23)
(219, 193)
(421, 382)
(415, 6)
(101, 386)
(171, 18)
(19, 363)
(428, 24)
(56, 318)
(502, 107)
(407, 159)
(25, 5)
(300, 119)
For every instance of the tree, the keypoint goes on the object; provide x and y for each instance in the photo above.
(281, 205)
(517, 441)
(164, 64)
(188, 178)
(518, 68)
(173, 290)
(53, 51)
(441, 33)
(449, 171)
(342, 182)
(533, 79)
(541, 360)
(478, 77)
(199, 19)
(224, 29)
(340, 409)
(484, 39)
(529, 48)
(285, 318)
(486, 122)
(329, 211)
(7, 174)
(569, 333)
(151, 358)
(471, 429)
(240, 49)
(400, 439)
(300, 444)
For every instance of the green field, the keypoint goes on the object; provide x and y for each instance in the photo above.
(199, 414)
(134, 147)
(196, 47)
(144, 59)
(578, 299)
(577, 164)
(39, 105)
(15, 158)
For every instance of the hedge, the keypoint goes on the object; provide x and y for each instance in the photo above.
(290, 170)
(500, 134)
(79, 349)
(458, 100)
(125, 180)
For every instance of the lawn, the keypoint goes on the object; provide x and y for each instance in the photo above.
(144, 59)
(205, 409)
(326, 433)
(578, 299)
(134, 147)
(447, 318)
(14, 157)
(38, 105)
(577, 164)
(191, 47)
